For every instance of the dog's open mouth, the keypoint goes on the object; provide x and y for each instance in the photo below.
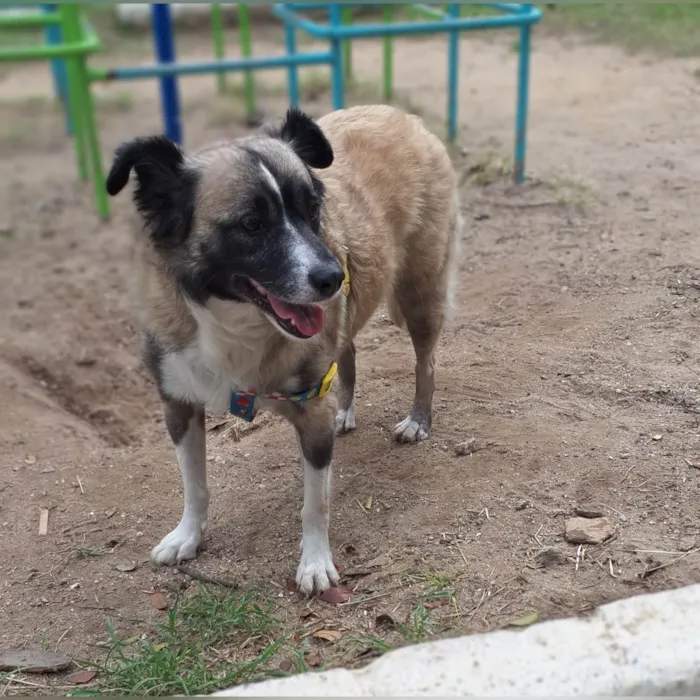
(299, 320)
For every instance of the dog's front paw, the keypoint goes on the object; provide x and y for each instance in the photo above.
(410, 430)
(345, 420)
(181, 544)
(316, 573)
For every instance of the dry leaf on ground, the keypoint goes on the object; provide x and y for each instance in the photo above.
(336, 595)
(328, 635)
(158, 601)
(314, 659)
(524, 621)
(81, 678)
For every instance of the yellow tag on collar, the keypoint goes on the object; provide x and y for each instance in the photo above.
(328, 380)
(346, 279)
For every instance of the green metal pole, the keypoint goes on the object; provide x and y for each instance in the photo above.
(247, 51)
(70, 31)
(388, 57)
(86, 107)
(217, 28)
(347, 44)
(93, 142)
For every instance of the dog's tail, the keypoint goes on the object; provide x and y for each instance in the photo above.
(455, 259)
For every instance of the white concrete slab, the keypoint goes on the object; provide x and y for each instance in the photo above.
(646, 645)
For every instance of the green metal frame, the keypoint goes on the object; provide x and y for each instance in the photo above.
(79, 40)
(247, 52)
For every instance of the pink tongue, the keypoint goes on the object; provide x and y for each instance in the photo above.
(308, 319)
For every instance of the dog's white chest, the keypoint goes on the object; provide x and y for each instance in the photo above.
(187, 377)
(215, 365)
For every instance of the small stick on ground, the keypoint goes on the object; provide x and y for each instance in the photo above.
(82, 523)
(459, 549)
(204, 578)
(537, 539)
(362, 508)
(477, 606)
(366, 600)
(80, 483)
(60, 639)
(646, 572)
(579, 550)
(519, 205)
(44, 521)
(21, 681)
(627, 473)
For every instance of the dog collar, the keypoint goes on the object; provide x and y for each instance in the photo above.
(243, 402)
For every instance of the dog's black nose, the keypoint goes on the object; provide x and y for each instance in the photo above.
(327, 278)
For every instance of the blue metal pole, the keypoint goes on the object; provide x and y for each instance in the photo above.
(338, 87)
(293, 71)
(366, 31)
(164, 40)
(159, 70)
(522, 102)
(58, 68)
(452, 76)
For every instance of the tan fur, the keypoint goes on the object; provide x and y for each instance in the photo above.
(390, 204)
(390, 201)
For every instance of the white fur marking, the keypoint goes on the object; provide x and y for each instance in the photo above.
(303, 254)
(272, 182)
(223, 358)
(184, 541)
(409, 430)
(316, 571)
(345, 420)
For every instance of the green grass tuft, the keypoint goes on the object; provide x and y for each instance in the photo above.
(669, 28)
(208, 642)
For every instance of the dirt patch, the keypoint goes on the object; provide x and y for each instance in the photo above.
(572, 360)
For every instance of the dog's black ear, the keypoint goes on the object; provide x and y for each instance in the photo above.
(304, 135)
(165, 190)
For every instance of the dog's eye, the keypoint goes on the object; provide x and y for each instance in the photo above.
(252, 223)
(314, 210)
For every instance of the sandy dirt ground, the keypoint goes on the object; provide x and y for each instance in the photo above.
(572, 362)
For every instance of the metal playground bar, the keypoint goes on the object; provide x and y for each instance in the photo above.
(70, 40)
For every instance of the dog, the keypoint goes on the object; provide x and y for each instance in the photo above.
(257, 262)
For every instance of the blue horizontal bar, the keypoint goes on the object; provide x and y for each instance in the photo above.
(233, 64)
(405, 28)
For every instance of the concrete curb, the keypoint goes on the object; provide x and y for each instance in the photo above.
(645, 645)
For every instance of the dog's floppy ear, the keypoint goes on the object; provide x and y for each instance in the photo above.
(302, 133)
(165, 189)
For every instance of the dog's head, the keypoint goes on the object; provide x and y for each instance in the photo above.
(241, 220)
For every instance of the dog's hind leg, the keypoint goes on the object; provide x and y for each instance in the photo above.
(423, 294)
(315, 430)
(424, 319)
(345, 417)
(185, 424)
